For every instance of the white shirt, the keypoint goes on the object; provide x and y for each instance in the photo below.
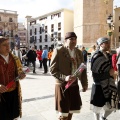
(6, 58)
(72, 53)
(104, 52)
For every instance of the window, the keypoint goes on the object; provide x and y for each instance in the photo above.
(45, 29)
(59, 36)
(43, 18)
(10, 20)
(56, 15)
(59, 26)
(52, 37)
(35, 40)
(40, 30)
(40, 40)
(30, 31)
(52, 27)
(45, 38)
(32, 39)
(59, 14)
(32, 22)
(35, 31)
(52, 16)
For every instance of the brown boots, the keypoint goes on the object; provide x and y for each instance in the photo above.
(63, 118)
(66, 118)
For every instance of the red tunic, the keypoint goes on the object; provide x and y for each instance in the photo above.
(7, 70)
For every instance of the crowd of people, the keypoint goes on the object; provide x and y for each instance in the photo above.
(28, 57)
(64, 62)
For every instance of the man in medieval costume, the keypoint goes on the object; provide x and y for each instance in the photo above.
(64, 62)
(104, 92)
(10, 91)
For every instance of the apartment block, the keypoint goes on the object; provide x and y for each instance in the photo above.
(49, 29)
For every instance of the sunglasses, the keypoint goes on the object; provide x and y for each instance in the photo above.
(73, 38)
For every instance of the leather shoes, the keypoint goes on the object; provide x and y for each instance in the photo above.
(45, 73)
(104, 118)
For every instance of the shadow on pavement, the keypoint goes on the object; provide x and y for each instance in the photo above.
(38, 98)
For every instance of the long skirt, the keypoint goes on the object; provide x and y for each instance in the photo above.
(9, 105)
(68, 101)
(98, 101)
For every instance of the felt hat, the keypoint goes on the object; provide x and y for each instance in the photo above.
(69, 35)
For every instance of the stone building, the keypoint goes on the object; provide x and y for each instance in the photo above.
(116, 27)
(90, 18)
(8, 24)
(22, 34)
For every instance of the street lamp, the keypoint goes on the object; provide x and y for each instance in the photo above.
(110, 24)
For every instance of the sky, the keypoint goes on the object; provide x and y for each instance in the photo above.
(37, 8)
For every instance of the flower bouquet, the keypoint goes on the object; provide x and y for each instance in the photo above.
(76, 74)
(10, 84)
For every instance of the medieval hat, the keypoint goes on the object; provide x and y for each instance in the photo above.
(102, 40)
(2, 39)
(69, 35)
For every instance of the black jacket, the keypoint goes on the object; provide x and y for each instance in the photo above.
(31, 55)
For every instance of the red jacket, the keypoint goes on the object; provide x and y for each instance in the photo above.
(39, 54)
(114, 62)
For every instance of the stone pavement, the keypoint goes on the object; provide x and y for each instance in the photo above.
(38, 99)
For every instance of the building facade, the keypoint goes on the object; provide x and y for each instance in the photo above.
(116, 31)
(22, 34)
(49, 29)
(8, 24)
(90, 18)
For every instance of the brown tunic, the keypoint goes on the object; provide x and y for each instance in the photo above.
(61, 66)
